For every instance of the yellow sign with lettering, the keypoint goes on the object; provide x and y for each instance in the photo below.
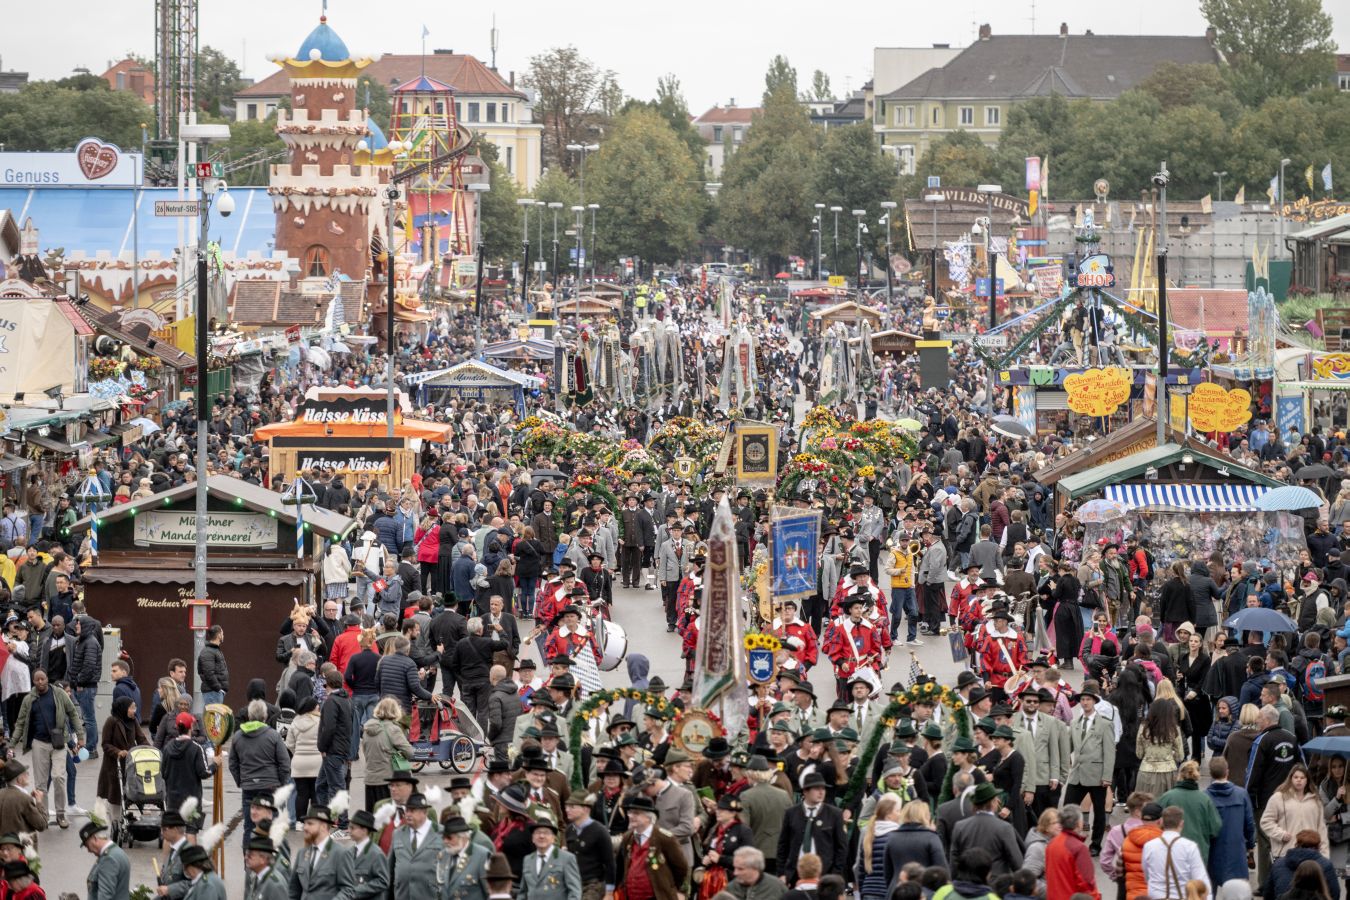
(1098, 392)
(838, 281)
(1215, 409)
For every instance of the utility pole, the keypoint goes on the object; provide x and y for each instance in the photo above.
(592, 207)
(889, 206)
(819, 223)
(391, 195)
(555, 206)
(576, 299)
(834, 258)
(525, 203)
(1160, 182)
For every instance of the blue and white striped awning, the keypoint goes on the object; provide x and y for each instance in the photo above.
(413, 379)
(1193, 497)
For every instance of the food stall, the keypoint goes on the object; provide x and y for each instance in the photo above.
(345, 431)
(476, 381)
(143, 579)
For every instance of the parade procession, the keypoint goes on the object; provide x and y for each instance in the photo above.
(365, 536)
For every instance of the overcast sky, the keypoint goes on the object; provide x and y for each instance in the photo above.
(719, 49)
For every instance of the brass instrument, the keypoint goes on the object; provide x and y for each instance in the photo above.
(914, 548)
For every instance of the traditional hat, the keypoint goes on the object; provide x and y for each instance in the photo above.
(856, 570)
(614, 767)
(195, 856)
(932, 731)
(984, 792)
(963, 745)
(640, 803)
(966, 677)
(675, 756)
(261, 843)
(905, 728)
(171, 819)
(578, 798)
(405, 777)
(90, 829)
(812, 780)
(1003, 732)
(454, 824)
(363, 819)
(17, 869)
(323, 814)
(10, 839)
(717, 748)
(544, 819)
(729, 802)
(498, 869)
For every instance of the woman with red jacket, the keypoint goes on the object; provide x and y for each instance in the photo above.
(1068, 864)
(428, 540)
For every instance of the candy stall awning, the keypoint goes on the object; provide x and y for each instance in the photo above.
(1190, 497)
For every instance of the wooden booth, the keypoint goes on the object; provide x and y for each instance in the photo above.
(850, 312)
(143, 580)
(345, 430)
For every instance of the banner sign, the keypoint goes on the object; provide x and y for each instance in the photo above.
(1098, 392)
(1331, 366)
(360, 462)
(358, 411)
(719, 662)
(756, 454)
(1033, 181)
(1214, 409)
(161, 528)
(796, 553)
(91, 162)
(1049, 280)
(1095, 272)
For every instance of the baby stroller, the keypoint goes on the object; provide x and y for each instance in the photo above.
(142, 796)
(444, 734)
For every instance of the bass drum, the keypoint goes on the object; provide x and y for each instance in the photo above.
(613, 643)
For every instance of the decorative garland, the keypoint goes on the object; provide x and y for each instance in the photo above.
(900, 703)
(587, 482)
(592, 706)
(682, 436)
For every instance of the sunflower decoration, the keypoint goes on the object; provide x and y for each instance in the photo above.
(757, 640)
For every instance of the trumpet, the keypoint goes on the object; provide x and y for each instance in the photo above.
(914, 548)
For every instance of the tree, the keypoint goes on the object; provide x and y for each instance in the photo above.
(500, 215)
(373, 97)
(1038, 127)
(820, 86)
(45, 116)
(609, 96)
(556, 186)
(1173, 84)
(851, 171)
(84, 81)
(959, 158)
(218, 80)
(1273, 47)
(256, 144)
(648, 188)
(781, 75)
(671, 106)
(567, 85)
(765, 203)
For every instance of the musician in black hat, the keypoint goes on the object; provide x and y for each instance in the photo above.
(263, 880)
(370, 867)
(537, 770)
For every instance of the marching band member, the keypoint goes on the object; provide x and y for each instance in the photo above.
(789, 626)
(1001, 647)
(569, 636)
(852, 643)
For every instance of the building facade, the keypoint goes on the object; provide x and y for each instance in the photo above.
(724, 128)
(484, 102)
(975, 90)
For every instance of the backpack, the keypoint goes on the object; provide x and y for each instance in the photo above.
(1313, 673)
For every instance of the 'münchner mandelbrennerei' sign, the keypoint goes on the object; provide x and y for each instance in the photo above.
(357, 462)
(161, 528)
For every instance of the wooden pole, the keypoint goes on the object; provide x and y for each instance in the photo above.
(217, 815)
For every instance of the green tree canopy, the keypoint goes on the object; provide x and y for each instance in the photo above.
(958, 158)
(501, 216)
(1273, 47)
(46, 116)
(257, 144)
(671, 106)
(556, 186)
(373, 97)
(851, 171)
(649, 190)
(781, 76)
(820, 86)
(218, 80)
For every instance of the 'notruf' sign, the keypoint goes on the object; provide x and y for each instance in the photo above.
(177, 208)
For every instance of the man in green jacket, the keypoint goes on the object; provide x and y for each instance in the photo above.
(46, 720)
(1202, 823)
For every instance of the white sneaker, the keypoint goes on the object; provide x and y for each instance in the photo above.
(915, 643)
(74, 809)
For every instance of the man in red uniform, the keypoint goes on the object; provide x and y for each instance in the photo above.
(852, 643)
(961, 593)
(971, 617)
(1001, 647)
(790, 626)
(568, 639)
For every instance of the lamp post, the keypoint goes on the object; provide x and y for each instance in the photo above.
(857, 248)
(541, 205)
(1219, 175)
(478, 189)
(583, 149)
(576, 300)
(816, 221)
(1164, 413)
(555, 206)
(1283, 163)
(889, 206)
(525, 203)
(989, 190)
(834, 258)
(592, 207)
(934, 199)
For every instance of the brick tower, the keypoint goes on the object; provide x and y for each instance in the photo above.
(322, 198)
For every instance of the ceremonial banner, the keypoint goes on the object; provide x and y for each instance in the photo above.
(756, 454)
(719, 660)
(796, 552)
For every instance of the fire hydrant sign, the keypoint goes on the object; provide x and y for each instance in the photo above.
(1214, 409)
(1098, 392)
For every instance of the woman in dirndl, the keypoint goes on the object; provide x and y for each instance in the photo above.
(729, 834)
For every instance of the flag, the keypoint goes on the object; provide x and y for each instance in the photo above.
(586, 671)
(1045, 180)
(1207, 204)
(915, 670)
(1241, 196)
(1033, 202)
(719, 660)
(1273, 192)
(1308, 176)
(425, 31)
(1326, 178)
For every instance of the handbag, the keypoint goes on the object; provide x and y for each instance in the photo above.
(398, 763)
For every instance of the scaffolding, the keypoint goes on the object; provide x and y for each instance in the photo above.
(176, 45)
(424, 118)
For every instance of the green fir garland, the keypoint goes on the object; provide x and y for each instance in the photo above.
(590, 708)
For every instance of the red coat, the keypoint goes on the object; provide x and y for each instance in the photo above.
(428, 543)
(809, 655)
(345, 646)
(1068, 868)
(993, 661)
(865, 650)
(570, 645)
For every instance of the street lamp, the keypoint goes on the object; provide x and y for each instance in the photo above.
(857, 247)
(478, 189)
(989, 190)
(592, 207)
(525, 203)
(934, 199)
(889, 206)
(1160, 183)
(1283, 163)
(820, 211)
(1219, 175)
(583, 149)
(576, 299)
(555, 206)
(834, 258)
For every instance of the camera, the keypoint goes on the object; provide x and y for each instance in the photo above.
(224, 202)
(1160, 180)
(391, 193)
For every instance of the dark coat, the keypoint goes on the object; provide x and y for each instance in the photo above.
(1282, 872)
(912, 843)
(335, 725)
(86, 662)
(1177, 602)
(828, 839)
(667, 879)
(504, 708)
(1228, 851)
(186, 765)
(1203, 594)
(118, 736)
(213, 670)
(993, 834)
(472, 658)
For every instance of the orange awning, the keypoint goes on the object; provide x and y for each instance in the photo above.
(408, 428)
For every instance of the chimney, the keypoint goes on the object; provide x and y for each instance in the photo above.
(1211, 35)
(731, 103)
(513, 79)
(986, 32)
(1063, 29)
(1088, 32)
(294, 282)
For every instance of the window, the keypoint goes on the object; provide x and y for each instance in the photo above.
(717, 134)
(967, 115)
(473, 112)
(992, 115)
(511, 160)
(316, 262)
(909, 115)
(506, 112)
(252, 112)
(937, 117)
(492, 112)
(1343, 81)
(737, 132)
(710, 162)
(121, 81)
(459, 111)
(906, 156)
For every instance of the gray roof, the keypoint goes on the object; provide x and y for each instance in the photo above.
(1326, 227)
(1035, 65)
(268, 302)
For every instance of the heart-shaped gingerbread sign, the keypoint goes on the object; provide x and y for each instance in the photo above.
(96, 158)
